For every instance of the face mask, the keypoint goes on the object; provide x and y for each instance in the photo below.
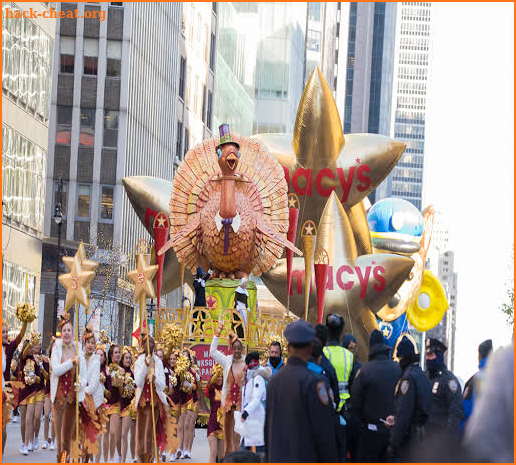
(436, 364)
(275, 361)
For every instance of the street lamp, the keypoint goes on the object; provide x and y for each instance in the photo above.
(58, 218)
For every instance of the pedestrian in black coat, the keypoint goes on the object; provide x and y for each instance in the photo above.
(412, 403)
(298, 412)
(372, 399)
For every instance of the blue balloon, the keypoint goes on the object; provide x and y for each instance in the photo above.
(393, 215)
(392, 330)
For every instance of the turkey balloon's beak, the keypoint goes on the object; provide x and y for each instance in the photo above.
(231, 161)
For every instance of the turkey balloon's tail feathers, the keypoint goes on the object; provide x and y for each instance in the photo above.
(193, 223)
(264, 228)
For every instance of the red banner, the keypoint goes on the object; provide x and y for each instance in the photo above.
(321, 274)
(205, 362)
(293, 215)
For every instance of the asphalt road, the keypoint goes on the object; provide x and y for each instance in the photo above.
(200, 449)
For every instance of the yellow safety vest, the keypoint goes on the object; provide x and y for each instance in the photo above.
(342, 360)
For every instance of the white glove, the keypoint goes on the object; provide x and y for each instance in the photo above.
(187, 385)
(210, 272)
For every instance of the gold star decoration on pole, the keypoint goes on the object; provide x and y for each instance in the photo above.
(77, 281)
(142, 278)
(86, 264)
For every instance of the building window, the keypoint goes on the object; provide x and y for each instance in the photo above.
(106, 203)
(189, 87)
(187, 142)
(91, 53)
(116, 3)
(67, 54)
(23, 175)
(64, 196)
(313, 40)
(64, 125)
(314, 11)
(114, 58)
(14, 278)
(87, 136)
(196, 95)
(209, 111)
(203, 115)
(206, 44)
(212, 52)
(179, 139)
(110, 128)
(182, 70)
(83, 202)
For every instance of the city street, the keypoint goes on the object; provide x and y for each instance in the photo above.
(201, 451)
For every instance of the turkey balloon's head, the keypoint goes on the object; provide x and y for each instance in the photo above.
(228, 155)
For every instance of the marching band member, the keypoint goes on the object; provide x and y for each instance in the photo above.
(215, 432)
(173, 391)
(128, 414)
(49, 439)
(64, 387)
(148, 374)
(233, 366)
(115, 377)
(104, 437)
(32, 395)
(8, 349)
(92, 414)
(189, 405)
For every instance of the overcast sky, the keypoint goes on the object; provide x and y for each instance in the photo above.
(470, 154)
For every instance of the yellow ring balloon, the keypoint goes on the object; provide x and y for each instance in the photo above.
(427, 318)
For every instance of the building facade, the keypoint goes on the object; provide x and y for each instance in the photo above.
(127, 101)
(27, 54)
(440, 262)
(409, 94)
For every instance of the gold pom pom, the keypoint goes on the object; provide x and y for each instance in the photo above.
(117, 375)
(25, 312)
(103, 337)
(128, 386)
(172, 336)
(217, 371)
(28, 372)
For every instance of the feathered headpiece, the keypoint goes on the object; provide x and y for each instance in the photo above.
(35, 338)
(63, 319)
(88, 333)
(217, 371)
(102, 347)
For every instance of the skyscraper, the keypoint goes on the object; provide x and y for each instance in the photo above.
(27, 48)
(409, 94)
(114, 113)
(440, 261)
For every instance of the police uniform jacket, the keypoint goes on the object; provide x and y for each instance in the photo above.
(372, 392)
(298, 418)
(446, 410)
(330, 372)
(412, 403)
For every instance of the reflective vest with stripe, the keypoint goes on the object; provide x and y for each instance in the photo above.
(342, 360)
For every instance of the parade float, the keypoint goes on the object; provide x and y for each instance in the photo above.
(292, 210)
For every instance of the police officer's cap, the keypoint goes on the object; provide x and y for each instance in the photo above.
(299, 332)
(435, 345)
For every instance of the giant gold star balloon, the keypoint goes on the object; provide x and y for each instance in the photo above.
(354, 289)
(76, 282)
(319, 162)
(142, 278)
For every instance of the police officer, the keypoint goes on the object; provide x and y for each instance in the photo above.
(412, 403)
(446, 411)
(372, 399)
(298, 411)
(342, 360)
